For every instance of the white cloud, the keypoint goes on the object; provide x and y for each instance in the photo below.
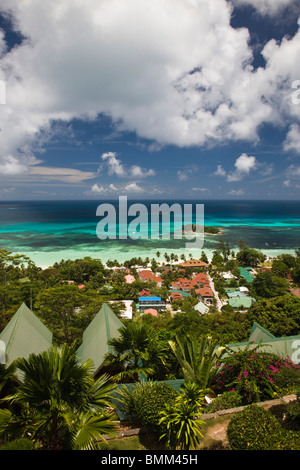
(116, 167)
(293, 172)
(132, 187)
(244, 165)
(236, 192)
(96, 189)
(68, 175)
(200, 189)
(173, 71)
(292, 142)
(182, 176)
(220, 171)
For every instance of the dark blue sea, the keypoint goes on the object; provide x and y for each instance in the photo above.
(49, 231)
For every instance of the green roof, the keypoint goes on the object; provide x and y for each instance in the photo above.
(258, 333)
(25, 334)
(182, 292)
(244, 272)
(286, 346)
(241, 302)
(102, 328)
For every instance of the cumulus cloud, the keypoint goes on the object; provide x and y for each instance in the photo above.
(243, 166)
(172, 71)
(116, 167)
(220, 171)
(236, 192)
(292, 142)
(132, 187)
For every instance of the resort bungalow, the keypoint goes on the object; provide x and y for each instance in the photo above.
(241, 303)
(194, 263)
(206, 294)
(129, 279)
(104, 326)
(285, 346)
(246, 273)
(25, 334)
(177, 294)
(147, 275)
(150, 311)
(150, 302)
(201, 308)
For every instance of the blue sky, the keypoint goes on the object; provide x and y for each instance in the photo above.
(168, 99)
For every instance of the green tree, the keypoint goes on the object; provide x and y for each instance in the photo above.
(59, 403)
(267, 284)
(279, 315)
(136, 351)
(280, 268)
(250, 257)
(61, 309)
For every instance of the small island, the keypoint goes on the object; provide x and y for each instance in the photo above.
(211, 230)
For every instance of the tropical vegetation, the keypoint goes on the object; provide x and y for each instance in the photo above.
(60, 404)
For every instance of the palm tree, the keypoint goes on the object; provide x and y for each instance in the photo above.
(136, 351)
(182, 420)
(197, 358)
(7, 379)
(59, 403)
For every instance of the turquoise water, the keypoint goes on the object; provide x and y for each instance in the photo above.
(49, 231)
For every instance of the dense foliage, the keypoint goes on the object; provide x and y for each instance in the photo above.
(66, 297)
(255, 375)
(145, 403)
(255, 428)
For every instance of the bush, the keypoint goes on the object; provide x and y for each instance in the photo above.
(293, 414)
(226, 401)
(255, 428)
(18, 444)
(255, 375)
(145, 403)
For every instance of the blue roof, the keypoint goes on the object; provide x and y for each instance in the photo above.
(149, 299)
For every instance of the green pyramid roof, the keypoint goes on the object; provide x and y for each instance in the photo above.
(102, 328)
(258, 333)
(285, 346)
(25, 334)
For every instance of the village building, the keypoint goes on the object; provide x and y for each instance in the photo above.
(147, 275)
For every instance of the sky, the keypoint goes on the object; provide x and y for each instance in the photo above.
(160, 99)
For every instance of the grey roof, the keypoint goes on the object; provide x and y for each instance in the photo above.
(102, 328)
(25, 334)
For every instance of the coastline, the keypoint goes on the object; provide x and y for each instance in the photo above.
(45, 260)
(48, 232)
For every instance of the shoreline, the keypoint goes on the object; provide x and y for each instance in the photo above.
(45, 260)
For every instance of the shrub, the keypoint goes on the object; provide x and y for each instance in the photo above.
(256, 376)
(145, 403)
(255, 428)
(293, 414)
(18, 444)
(226, 401)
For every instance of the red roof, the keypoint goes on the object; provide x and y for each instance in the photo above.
(176, 295)
(145, 275)
(151, 311)
(204, 292)
(144, 293)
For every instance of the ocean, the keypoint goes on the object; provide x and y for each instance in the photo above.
(49, 231)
